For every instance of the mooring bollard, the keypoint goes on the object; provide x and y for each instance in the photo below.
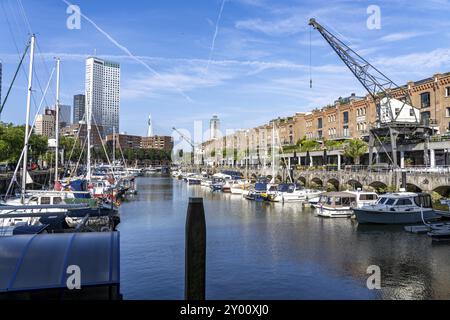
(195, 260)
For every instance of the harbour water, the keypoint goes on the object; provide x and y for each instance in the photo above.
(270, 251)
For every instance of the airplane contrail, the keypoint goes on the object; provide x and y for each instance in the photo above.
(128, 53)
(215, 34)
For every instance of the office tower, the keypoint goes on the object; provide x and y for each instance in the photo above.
(65, 115)
(103, 93)
(79, 108)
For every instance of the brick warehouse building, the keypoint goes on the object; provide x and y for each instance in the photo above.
(347, 118)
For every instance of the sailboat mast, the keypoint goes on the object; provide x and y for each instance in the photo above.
(114, 145)
(89, 129)
(27, 121)
(273, 151)
(57, 107)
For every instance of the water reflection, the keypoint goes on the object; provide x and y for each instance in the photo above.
(270, 251)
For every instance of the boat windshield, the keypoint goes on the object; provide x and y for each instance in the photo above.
(286, 187)
(323, 199)
(382, 200)
(390, 202)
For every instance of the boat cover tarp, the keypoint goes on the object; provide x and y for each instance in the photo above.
(38, 262)
(261, 187)
(79, 186)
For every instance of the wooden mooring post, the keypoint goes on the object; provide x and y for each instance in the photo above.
(195, 259)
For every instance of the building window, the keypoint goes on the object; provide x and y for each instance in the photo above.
(346, 132)
(447, 92)
(425, 100)
(426, 117)
(448, 112)
(346, 119)
(319, 123)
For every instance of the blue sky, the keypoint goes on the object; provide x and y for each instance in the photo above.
(257, 70)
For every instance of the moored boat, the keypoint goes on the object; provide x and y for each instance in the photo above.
(398, 208)
(291, 192)
(336, 205)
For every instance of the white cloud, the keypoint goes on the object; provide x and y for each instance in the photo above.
(429, 61)
(399, 36)
(291, 25)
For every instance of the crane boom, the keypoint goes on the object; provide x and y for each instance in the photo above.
(374, 81)
(395, 118)
(191, 143)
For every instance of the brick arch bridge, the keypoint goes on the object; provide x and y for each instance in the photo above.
(421, 180)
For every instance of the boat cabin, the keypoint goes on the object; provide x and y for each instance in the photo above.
(338, 199)
(289, 187)
(421, 200)
(47, 200)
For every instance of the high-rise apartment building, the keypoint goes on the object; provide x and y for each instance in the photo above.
(214, 127)
(79, 108)
(103, 93)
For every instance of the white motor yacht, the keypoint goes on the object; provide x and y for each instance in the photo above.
(398, 208)
(336, 204)
(292, 192)
(239, 186)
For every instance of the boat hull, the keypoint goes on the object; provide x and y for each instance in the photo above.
(334, 213)
(392, 217)
(237, 191)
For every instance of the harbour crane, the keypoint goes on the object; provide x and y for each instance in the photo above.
(189, 141)
(397, 118)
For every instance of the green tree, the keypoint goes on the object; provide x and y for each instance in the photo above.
(72, 148)
(307, 145)
(355, 149)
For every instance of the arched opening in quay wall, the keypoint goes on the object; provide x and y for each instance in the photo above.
(379, 187)
(413, 188)
(353, 185)
(443, 191)
(316, 183)
(302, 181)
(333, 185)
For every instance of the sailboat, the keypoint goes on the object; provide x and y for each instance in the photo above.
(39, 211)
